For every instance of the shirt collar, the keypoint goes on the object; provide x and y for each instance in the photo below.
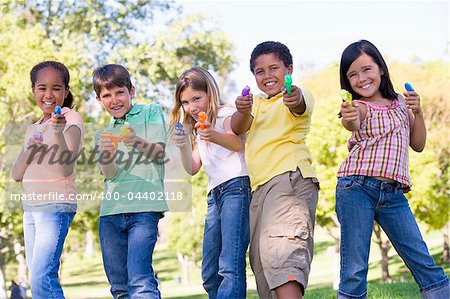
(135, 109)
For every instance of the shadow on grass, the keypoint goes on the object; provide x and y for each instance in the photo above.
(84, 284)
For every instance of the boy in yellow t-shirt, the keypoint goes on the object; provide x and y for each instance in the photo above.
(284, 185)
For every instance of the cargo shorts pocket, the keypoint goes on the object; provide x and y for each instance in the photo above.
(287, 246)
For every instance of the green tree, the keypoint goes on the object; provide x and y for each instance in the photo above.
(82, 35)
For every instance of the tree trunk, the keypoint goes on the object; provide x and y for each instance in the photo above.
(446, 252)
(2, 284)
(89, 244)
(184, 261)
(384, 248)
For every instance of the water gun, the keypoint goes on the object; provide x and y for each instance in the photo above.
(246, 91)
(408, 87)
(113, 138)
(179, 128)
(346, 96)
(202, 118)
(288, 83)
(124, 129)
(58, 110)
(38, 136)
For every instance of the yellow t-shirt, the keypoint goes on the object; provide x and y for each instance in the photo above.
(276, 140)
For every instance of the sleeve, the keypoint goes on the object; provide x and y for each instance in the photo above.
(73, 118)
(156, 130)
(309, 101)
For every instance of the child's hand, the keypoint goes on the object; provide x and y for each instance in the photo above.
(244, 104)
(58, 122)
(349, 111)
(180, 140)
(292, 100)
(105, 145)
(129, 138)
(412, 100)
(205, 134)
(33, 142)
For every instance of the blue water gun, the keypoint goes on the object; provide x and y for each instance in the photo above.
(408, 87)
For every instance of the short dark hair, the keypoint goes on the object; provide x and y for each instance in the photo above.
(62, 69)
(111, 75)
(268, 47)
(351, 53)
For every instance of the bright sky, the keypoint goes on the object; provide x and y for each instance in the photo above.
(317, 32)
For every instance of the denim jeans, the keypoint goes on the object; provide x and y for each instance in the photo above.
(226, 238)
(45, 231)
(127, 242)
(360, 201)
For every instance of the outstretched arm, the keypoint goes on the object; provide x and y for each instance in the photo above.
(418, 131)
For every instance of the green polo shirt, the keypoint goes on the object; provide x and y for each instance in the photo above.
(139, 183)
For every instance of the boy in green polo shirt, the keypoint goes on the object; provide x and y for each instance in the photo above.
(131, 161)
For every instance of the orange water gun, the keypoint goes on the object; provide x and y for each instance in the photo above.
(202, 118)
(113, 138)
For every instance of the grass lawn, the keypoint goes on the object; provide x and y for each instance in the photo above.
(84, 278)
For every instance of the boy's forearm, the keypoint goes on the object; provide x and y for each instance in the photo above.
(241, 122)
(300, 108)
(149, 149)
(109, 170)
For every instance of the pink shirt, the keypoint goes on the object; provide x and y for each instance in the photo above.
(42, 182)
(380, 147)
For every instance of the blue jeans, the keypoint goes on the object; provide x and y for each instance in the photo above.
(45, 232)
(127, 242)
(360, 201)
(226, 238)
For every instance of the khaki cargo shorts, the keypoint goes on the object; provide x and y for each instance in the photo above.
(282, 217)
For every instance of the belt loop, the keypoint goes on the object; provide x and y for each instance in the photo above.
(360, 179)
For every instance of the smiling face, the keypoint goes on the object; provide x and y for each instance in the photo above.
(364, 76)
(49, 90)
(194, 101)
(116, 100)
(269, 73)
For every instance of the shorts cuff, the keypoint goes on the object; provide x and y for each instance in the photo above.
(287, 276)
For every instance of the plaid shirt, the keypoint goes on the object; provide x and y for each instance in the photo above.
(380, 147)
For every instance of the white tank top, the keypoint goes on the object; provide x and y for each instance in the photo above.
(220, 163)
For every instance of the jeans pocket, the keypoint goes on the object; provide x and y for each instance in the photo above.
(345, 183)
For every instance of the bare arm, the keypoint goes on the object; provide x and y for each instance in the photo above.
(242, 119)
(226, 139)
(22, 161)
(418, 131)
(352, 115)
(295, 101)
(189, 157)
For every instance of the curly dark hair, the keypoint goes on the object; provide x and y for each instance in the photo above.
(268, 47)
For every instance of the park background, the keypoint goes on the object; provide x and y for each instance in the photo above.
(156, 41)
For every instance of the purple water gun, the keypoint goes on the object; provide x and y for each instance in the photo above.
(246, 91)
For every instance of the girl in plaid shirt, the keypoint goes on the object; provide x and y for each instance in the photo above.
(374, 176)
